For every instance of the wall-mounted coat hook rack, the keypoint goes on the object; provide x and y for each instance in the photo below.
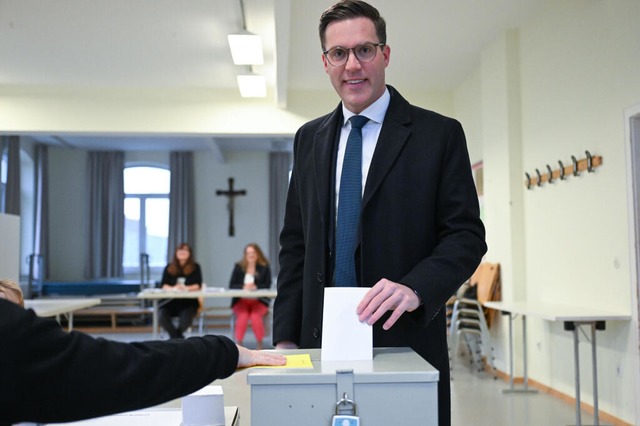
(589, 163)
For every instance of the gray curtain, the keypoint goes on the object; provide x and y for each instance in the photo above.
(41, 213)
(3, 142)
(105, 171)
(12, 193)
(181, 201)
(279, 166)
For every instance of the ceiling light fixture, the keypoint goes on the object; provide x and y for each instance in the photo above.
(252, 85)
(246, 47)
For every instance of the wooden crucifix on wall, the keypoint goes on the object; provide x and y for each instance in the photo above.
(231, 194)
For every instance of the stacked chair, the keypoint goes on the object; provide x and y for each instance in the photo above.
(469, 320)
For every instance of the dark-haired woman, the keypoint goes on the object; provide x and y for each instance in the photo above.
(182, 274)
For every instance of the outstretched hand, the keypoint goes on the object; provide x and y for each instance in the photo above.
(250, 358)
(387, 296)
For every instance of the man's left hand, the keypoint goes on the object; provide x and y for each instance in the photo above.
(387, 296)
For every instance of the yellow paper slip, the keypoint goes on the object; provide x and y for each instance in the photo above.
(293, 361)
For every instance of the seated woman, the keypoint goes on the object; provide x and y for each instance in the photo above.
(182, 274)
(250, 273)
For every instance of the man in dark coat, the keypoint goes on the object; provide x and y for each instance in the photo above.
(419, 235)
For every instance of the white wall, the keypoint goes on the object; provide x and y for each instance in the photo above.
(580, 66)
(10, 247)
(467, 102)
(491, 99)
(217, 251)
(577, 70)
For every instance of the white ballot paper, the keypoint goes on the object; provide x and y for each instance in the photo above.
(344, 337)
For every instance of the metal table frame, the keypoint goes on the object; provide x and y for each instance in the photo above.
(55, 307)
(573, 318)
(157, 295)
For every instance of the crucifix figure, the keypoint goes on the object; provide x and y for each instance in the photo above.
(231, 193)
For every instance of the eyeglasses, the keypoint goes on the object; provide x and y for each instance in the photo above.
(364, 52)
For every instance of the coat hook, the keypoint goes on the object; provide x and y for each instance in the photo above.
(589, 162)
(550, 173)
(539, 177)
(575, 166)
(528, 180)
(562, 176)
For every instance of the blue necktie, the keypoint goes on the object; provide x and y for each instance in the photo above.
(350, 198)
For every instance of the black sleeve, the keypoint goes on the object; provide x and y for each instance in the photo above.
(196, 276)
(49, 375)
(264, 278)
(237, 277)
(264, 282)
(167, 278)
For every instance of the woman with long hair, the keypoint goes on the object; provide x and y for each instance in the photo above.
(182, 274)
(251, 273)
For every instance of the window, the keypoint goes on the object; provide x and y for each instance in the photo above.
(146, 212)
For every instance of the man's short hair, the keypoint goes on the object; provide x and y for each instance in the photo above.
(351, 9)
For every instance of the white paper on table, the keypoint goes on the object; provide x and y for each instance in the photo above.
(344, 337)
(166, 417)
(148, 417)
(204, 407)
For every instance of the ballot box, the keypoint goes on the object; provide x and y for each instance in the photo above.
(397, 387)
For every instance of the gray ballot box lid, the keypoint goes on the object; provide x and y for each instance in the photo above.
(389, 365)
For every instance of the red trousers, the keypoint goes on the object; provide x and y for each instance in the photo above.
(249, 309)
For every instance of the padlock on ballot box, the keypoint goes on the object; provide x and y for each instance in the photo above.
(341, 419)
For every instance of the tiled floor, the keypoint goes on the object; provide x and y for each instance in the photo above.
(477, 398)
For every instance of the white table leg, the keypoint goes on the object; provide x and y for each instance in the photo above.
(155, 319)
(512, 388)
(574, 326)
(576, 359)
(511, 369)
(524, 355)
(596, 413)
